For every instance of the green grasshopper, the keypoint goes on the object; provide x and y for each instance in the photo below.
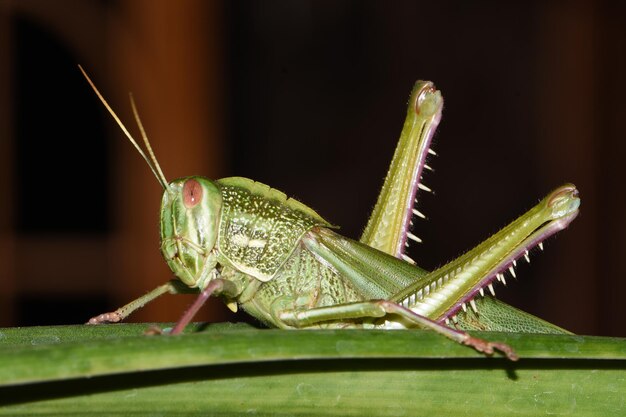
(285, 265)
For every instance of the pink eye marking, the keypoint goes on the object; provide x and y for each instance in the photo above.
(192, 193)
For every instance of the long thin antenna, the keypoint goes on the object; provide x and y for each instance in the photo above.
(146, 141)
(161, 177)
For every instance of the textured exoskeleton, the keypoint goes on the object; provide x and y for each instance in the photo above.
(285, 265)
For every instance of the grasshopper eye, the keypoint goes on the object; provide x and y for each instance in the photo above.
(192, 193)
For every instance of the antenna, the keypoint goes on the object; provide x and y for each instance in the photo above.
(152, 161)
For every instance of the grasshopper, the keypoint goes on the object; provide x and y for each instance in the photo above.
(285, 265)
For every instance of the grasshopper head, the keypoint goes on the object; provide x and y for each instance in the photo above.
(190, 214)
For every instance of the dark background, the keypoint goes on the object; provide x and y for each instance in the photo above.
(308, 97)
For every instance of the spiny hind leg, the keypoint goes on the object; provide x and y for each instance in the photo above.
(382, 308)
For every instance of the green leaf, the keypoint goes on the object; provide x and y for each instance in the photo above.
(236, 369)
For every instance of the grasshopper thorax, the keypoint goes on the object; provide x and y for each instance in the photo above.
(190, 217)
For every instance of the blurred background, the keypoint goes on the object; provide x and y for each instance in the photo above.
(308, 97)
